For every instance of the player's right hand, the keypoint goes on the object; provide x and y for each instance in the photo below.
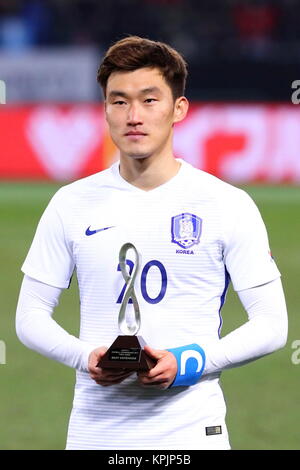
(105, 377)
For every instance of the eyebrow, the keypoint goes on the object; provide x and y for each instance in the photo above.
(152, 89)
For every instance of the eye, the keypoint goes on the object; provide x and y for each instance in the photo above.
(119, 102)
(150, 100)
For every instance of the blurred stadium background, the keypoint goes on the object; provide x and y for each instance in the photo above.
(243, 57)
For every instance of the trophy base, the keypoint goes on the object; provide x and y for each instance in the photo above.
(127, 352)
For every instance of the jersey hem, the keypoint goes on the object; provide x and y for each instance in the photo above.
(256, 283)
(39, 277)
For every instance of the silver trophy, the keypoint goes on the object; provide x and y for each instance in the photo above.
(127, 351)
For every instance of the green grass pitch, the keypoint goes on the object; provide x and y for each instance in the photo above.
(36, 394)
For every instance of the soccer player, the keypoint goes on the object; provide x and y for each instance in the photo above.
(195, 234)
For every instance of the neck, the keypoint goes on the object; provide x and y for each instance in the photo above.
(148, 173)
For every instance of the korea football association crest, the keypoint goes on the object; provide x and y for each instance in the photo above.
(186, 229)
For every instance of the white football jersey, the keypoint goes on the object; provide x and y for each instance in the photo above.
(194, 234)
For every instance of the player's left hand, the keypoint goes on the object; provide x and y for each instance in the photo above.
(162, 375)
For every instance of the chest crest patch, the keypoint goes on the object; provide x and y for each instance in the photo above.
(186, 229)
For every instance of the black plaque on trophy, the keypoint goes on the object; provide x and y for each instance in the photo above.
(127, 351)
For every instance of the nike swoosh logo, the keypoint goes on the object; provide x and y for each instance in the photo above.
(89, 232)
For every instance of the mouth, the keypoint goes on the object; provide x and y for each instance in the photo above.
(135, 135)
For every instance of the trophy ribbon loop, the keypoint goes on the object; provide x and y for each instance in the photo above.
(129, 292)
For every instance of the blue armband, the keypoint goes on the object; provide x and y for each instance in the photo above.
(190, 364)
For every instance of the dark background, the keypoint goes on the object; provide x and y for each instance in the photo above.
(236, 50)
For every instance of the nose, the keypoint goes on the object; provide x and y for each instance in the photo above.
(134, 117)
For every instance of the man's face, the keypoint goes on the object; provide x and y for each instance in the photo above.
(140, 111)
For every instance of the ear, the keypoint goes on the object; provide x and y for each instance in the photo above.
(180, 109)
(105, 111)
